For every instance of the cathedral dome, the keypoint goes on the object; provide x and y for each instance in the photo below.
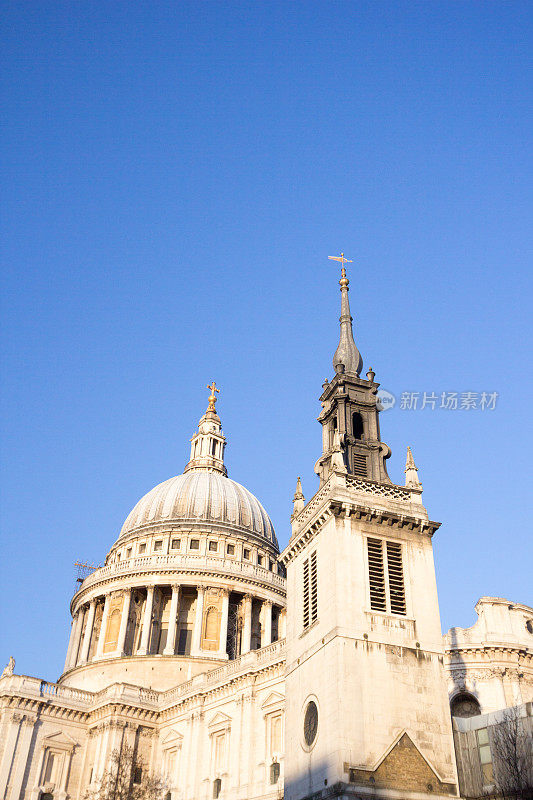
(199, 496)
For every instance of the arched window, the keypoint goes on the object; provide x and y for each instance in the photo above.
(213, 447)
(217, 786)
(274, 772)
(465, 705)
(358, 429)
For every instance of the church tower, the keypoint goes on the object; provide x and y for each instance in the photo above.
(367, 710)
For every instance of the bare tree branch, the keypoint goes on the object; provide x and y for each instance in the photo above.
(512, 746)
(126, 778)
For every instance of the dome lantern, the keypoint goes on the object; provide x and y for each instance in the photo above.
(207, 446)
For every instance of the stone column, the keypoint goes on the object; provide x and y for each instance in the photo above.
(247, 626)
(72, 657)
(37, 787)
(147, 622)
(198, 619)
(222, 645)
(12, 725)
(266, 627)
(100, 764)
(71, 641)
(67, 758)
(22, 758)
(88, 632)
(282, 624)
(124, 622)
(170, 647)
(103, 626)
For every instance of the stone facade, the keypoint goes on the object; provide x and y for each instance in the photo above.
(238, 672)
(490, 665)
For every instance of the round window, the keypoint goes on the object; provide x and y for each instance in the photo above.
(529, 626)
(310, 723)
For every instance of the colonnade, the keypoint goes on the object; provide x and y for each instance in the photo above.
(118, 623)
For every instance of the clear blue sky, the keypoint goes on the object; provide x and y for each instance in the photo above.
(174, 177)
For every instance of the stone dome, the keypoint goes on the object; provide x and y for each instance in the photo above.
(201, 496)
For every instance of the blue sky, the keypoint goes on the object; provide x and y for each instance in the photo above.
(174, 177)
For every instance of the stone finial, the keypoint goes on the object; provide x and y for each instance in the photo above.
(412, 480)
(299, 499)
(371, 375)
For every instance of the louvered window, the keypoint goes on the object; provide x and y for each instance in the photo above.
(310, 590)
(376, 574)
(385, 574)
(395, 569)
(359, 465)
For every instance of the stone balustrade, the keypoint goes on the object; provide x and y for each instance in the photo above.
(33, 688)
(183, 563)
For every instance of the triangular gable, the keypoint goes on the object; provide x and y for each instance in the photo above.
(220, 720)
(402, 767)
(60, 739)
(273, 699)
(172, 737)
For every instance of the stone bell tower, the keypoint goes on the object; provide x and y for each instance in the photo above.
(367, 710)
(349, 408)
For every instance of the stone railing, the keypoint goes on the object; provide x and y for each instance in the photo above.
(269, 654)
(185, 563)
(314, 503)
(389, 490)
(27, 686)
(380, 489)
(33, 687)
(127, 693)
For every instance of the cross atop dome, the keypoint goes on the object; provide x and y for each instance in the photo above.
(212, 397)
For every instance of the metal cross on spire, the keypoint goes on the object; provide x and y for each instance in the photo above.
(212, 397)
(343, 262)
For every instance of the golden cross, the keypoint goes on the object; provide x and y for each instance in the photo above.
(212, 396)
(343, 262)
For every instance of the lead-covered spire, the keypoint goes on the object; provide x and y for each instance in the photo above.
(207, 446)
(346, 355)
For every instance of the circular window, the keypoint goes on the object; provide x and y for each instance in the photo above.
(529, 626)
(310, 723)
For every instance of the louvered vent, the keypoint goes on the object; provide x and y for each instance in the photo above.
(314, 588)
(359, 465)
(310, 593)
(376, 574)
(395, 570)
(306, 593)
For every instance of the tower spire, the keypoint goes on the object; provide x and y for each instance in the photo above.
(347, 357)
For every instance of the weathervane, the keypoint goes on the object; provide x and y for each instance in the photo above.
(212, 397)
(343, 262)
